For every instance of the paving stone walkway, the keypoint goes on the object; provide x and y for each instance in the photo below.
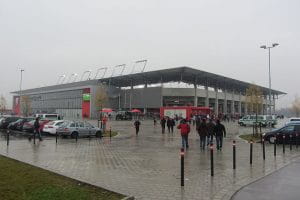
(148, 166)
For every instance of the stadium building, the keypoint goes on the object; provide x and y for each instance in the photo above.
(147, 91)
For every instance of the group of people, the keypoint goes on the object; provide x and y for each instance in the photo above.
(170, 122)
(206, 131)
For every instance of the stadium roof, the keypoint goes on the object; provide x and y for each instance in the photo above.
(186, 75)
(179, 74)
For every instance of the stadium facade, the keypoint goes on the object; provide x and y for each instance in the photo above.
(147, 91)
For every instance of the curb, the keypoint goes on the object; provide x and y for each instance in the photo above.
(128, 198)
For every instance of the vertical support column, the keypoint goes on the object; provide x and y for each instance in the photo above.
(130, 98)
(195, 95)
(216, 102)
(246, 108)
(240, 103)
(232, 103)
(273, 103)
(225, 101)
(144, 99)
(206, 97)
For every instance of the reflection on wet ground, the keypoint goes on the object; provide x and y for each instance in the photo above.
(147, 166)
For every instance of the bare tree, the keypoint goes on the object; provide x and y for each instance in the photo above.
(296, 106)
(254, 100)
(3, 104)
(101, 98)
(25, 105)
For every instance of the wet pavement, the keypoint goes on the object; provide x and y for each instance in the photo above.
(282, 184)
(148, 166)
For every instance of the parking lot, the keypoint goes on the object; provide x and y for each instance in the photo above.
(147, 166)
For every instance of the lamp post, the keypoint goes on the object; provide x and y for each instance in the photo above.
(270, 92)
(21, 79)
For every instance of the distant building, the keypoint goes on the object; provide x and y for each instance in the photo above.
(147, 91)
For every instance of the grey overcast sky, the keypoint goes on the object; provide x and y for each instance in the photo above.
(50, 38)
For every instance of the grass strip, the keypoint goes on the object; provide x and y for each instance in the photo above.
(26, 182)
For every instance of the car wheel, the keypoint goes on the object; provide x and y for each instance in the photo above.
(272, 139)
(74, 134)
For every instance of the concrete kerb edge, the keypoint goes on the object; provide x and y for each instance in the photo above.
(128, 198)
(242, 185)
(75, 179)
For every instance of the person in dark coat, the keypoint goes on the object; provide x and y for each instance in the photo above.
(36, 129)
(173, 123)
(163, 125)
(137, 124)
(220, 132)
(169, 124)
(210, 130)
(203, 132)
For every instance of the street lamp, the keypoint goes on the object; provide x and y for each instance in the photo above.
(269, 51)
(20, 96)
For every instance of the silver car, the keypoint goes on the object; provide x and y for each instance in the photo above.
(78, 128)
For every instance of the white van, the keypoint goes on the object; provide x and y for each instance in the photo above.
(264, 120)
(49, 116)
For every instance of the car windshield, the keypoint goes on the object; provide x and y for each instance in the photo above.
(19, 120)
(65, 123)
(294, 120)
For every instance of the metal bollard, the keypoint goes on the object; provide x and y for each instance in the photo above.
(291, 143)
(234, 154)
(283, 144)
(264, 150)
(7, 137)
(98, 123)
(275, 141)
(76, 137)
(182, 167)
(251, 151)
(56, 137)
(211, 160)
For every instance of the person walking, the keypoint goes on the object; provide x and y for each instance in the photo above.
(172, 125)
(104, 121)
(163, 125)
(137, 124)
(202, 131)
(169, 124)
(36, 129)
(220, 132)
(210, 131)
(184, 130)
(154, 122)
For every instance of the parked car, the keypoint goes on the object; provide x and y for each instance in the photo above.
(293, 120)
(18, 125)
(124, 115)
(53, 116)
(264, 120)
(29, 126)
(78, 128)
(7, 120)
(52, 126)
(289, 131)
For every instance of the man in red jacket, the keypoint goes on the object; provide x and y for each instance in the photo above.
(184, 130)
